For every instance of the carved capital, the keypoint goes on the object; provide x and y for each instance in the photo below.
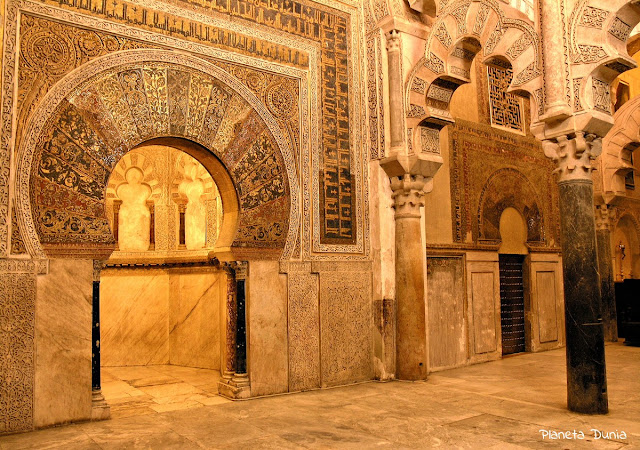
(98, 265)
(605, 215)
(393, 41)
(408, 195)
(573, 155)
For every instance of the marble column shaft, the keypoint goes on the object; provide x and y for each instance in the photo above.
(241, 330)
(586, 371)
(95, 338)
(396, 109)
(552, 29)
(607, 289)
(411, 327)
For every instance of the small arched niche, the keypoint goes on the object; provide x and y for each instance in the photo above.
(513, 233)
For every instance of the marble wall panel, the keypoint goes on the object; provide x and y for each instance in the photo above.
(267, 358)
(134, 309)
(194, 318)
(547, 317)
(63, 343)
(483, 297)
(545, 311)
(446, 312)
(304, 331)
(484, 314)
(346, 342)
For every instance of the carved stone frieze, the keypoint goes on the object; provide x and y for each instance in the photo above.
(17, 335)
(304, 331)
(345, 324)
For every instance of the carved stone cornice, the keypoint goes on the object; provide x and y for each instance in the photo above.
(408, 195)
(573, 155)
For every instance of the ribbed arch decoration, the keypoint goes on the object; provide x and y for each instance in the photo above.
(94, 116)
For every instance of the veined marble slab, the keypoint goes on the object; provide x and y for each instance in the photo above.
(134, 313)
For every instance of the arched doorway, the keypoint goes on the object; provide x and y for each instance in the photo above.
(89, 120)
(162, 304)
(512, 253)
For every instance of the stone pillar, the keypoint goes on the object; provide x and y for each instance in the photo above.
(605, 267)
(234, 383)
(411, 331)
(586, 374)
(99, 408)
(553, 57)
(396, 91)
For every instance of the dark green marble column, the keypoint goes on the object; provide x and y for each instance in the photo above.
(607, 288)
(586, 372)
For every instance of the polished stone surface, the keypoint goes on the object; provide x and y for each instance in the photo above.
(62, 346)
(500, 404)
(142, 390)
(586, 374)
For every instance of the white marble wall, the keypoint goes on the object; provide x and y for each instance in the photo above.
(134, 313)
(161, 316)
(63, 343)
(194, 318)
(267, 358)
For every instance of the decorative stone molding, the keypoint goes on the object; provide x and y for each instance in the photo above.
(408, 195)
(573, 155)
(98, 265)
(393, 41)
(605, 216)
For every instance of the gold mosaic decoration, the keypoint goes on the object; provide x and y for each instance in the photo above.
(93, 128)
(327, 27)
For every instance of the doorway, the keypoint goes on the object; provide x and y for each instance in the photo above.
(512, 303)
(162, 302)
(512, 252)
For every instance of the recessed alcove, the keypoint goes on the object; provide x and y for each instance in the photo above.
(161, 301)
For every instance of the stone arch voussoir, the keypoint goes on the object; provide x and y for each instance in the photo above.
(463, 30)
(598, 35)
(508, 187)
(97, 113)
(624, 137)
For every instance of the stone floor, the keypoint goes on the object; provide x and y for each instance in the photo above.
(500, 405)
(140, 390)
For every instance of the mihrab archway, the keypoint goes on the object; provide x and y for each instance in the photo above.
(92, 117)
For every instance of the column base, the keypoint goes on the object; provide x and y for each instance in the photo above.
(100, 410)
(235, 388)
